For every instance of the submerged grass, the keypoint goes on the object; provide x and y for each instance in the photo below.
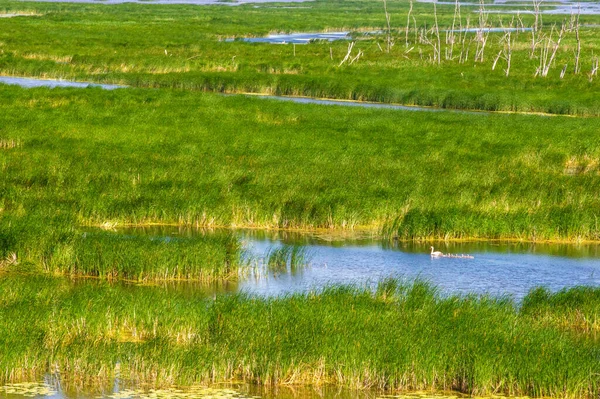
(402, 336)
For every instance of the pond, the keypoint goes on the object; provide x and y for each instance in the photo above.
(297, 38)
(496, 268)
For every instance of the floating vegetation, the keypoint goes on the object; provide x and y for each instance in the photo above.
(28, 389)
(190, 392)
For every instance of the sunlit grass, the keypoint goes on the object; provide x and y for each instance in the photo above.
(402, 336)
(178, 46)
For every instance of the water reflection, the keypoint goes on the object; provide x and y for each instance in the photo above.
(298, 38)
(51, 388)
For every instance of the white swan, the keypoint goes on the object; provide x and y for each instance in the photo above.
(436, 254)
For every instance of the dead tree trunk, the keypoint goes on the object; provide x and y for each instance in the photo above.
(550, 44)
(482, 35)
(578, 38)
(536, 28)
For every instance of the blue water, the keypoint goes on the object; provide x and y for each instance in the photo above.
(497, 268)
(31, 83)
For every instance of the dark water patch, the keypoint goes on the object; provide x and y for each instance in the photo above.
(32, 83)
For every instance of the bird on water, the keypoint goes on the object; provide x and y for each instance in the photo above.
(436, 254)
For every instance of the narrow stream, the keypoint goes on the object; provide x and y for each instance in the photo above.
(33, 83)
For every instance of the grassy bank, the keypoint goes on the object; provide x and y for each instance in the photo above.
(403, 337)
(178, 46)
(52, 246)
(145, 156)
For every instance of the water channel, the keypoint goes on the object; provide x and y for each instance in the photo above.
(496, 268)
(29, 83)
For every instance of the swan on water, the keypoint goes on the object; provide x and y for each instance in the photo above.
(436, 254)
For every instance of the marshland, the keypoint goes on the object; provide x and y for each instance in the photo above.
(169, 226)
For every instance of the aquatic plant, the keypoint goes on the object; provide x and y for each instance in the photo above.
(286, 258)
(401, 336)
(205, 160)
(178, 52)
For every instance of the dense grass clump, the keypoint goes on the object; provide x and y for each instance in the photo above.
(287, 258)
(26, 246)
(400, 337)
(148, 156)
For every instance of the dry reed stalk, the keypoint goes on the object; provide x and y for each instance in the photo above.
(594, 70)
(536, 28)
(408, 24)
(464, 50)
(481, 36)
(549, 50)
(451, 39)
(7, 144)
(390, 44)
(350, 47)
(578, 38)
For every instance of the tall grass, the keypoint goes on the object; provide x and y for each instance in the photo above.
(142, 156)
(403, 336)
(177, 46)
(62, 249)
(287, 258)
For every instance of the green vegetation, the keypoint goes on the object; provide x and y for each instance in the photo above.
(403, 336)
(179, 46)
(146, 156)
(111, 255)
(287, 258)
(164, 152)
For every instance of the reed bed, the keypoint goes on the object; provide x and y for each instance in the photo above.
(141, 157)
(402, 336)
(185, 48)
(60, 249)
(287, 259)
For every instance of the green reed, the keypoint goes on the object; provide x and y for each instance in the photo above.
(118, 256)
(145, 156)
(179, 46)
(287, 258)
(401, 336)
